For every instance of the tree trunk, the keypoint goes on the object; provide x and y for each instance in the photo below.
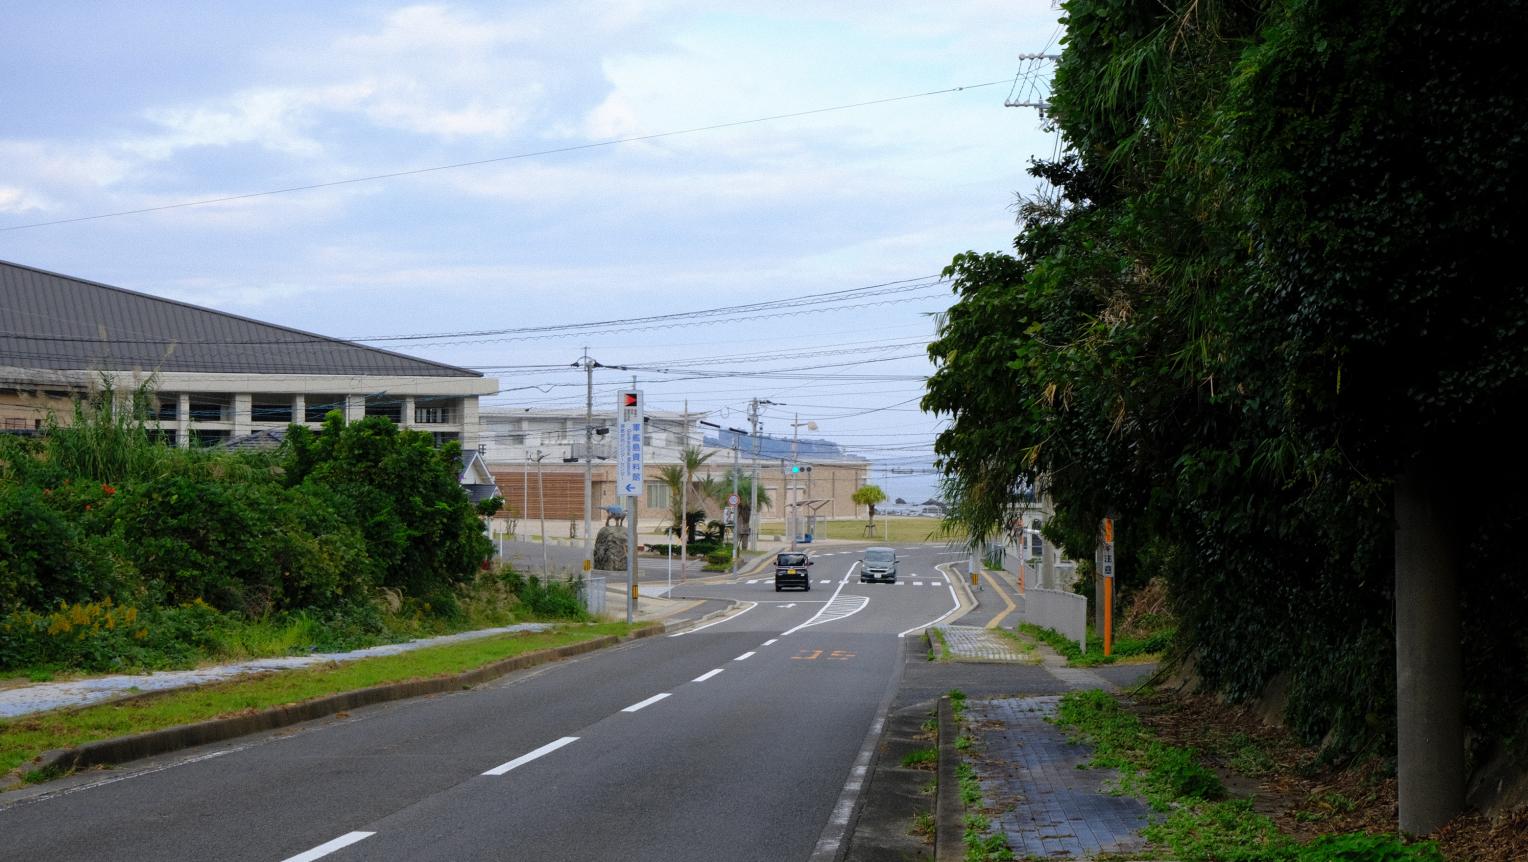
(1429, 664)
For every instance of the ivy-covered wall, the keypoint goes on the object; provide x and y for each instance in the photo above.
(1281, 261)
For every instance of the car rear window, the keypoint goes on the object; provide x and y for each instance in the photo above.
(791, 560)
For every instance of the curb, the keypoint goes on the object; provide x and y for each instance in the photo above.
(123, 749)
(949, 813)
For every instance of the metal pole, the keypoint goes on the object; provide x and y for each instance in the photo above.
(541, 503)
(736, 521)
(525, 485)
(795, 433)
(753, 488)
(684, 493)
(588, 463)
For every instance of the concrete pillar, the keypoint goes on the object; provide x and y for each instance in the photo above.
(472, 430)
(242, 404)
(406, 415)
(1429, 666)
(299, 408)
(183, 420)
(355, 408)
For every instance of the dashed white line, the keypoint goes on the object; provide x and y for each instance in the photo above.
(917, 583)
(707, 675)
(646, 703)
(825, 581)
(751, 606)
(528, 757)
(328, 847)
(770, 641)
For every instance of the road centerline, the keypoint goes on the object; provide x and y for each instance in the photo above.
(328, 847)
(529, 756)
(744, 656)
(707, 675)
(646, 703)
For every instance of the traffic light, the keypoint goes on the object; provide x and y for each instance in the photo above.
(795, 468)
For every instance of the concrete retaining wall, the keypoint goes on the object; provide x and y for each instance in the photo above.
(1065, 612)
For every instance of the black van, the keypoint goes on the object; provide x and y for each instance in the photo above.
(790, 570)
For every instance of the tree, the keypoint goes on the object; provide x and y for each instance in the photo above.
(1214, 329)
(720, 490)
(677, 478)
(869, 495)
(901, 502)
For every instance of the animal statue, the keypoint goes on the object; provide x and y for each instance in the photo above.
(614, 515)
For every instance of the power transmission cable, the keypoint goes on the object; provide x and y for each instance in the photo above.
(513, 157)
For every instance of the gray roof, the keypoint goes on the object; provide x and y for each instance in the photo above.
(56, 322)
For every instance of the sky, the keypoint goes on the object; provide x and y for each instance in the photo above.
(634, 165)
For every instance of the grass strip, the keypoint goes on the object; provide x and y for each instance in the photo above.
(1124, 648)
(1203, 825)
(24, 738)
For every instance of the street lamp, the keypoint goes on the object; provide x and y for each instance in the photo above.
(795, 436)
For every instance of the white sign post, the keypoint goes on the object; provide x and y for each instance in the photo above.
(628, 480)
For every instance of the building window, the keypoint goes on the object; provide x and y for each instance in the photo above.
(265, 409)
(444, 437)
(657, 495)
(437, 411)
(386, 406)
(316, 407)
(204, 438)
(210, 408)
(166, 409)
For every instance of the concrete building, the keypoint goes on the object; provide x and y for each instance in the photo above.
(536, 458)
(215, 375)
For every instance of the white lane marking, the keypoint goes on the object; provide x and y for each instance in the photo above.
(900, 583)
(646, 703)
(529, 756)
(770, 641)
(917, 583)
(790, 605)
(838, 824)
(751, 606)
(825, 581)
(744, 656)
(836, 609)
(953, 598)
(328, 847)
(707, 675)
(754, 581)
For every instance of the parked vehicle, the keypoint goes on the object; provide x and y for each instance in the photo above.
(878, 564)
(791, 570)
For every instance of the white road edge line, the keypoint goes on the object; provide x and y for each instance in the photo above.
(528, 757)
(838, 824)
(751, 606)
(744, 656)
(328, 847)
(954, 598)
(646, 703)
(707, 675)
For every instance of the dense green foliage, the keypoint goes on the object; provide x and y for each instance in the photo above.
(1279, 265)
(116, 550)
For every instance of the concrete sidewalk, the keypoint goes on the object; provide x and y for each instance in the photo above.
(30, 698)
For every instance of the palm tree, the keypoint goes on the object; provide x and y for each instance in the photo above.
(720, 489)
(677, 477)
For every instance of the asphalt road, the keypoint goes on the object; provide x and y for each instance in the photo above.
(735, 740)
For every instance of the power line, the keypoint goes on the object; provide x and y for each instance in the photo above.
(478, 162)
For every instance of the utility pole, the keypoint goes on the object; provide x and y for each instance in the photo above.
(736, 521)
(795, 434)
(541, 495)
(588, 364)
(684, 492)
(753, 491)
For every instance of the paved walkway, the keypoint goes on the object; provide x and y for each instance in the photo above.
(1045, 801)
(43, 696)
(972, 643)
